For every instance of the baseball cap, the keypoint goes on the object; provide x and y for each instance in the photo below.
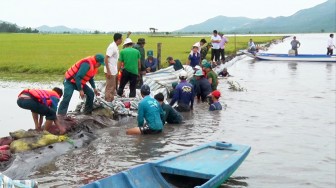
(127, 41)
(100, 59)
(207, 65)
(199, 73)
(203, 62)
(150, 53)
(145, 89)
(197, 67)
(216, 93)
(183, 73)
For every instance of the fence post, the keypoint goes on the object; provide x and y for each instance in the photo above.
(159, 55)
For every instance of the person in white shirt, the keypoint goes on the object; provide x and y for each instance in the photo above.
(199, 44)
(251, 47)
(331, 45)
(111, 67)
(215, 50)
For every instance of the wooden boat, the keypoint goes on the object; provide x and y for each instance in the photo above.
(300, 57)
(204, 166)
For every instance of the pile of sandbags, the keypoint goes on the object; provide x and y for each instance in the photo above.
(29, 140)
(5, 153)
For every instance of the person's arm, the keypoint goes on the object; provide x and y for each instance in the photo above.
(120, 60)
(108, 71)
(84, 68)
(139, 61)
(54, 103)
(198, 90)
(189, 60)
(163, 115)
(141, 114)
(212, 107)
(92, 83)
(192, 99)
(155, 62)
(175, 97)
(128, 34)
(210, 79)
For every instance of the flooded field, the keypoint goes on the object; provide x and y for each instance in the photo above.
(287, 116)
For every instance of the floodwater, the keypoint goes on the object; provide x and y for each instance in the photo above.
(287, 115)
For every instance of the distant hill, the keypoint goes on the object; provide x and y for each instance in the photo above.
(59, 29)
(321, 18)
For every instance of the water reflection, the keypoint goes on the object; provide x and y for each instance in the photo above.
(292, 66)
(289, 121)
(329, 67)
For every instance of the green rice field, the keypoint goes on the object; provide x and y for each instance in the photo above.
(46, 57)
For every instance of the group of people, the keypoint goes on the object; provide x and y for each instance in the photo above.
(200, 50)
(295, 44)
(330, 45)
(131, 64)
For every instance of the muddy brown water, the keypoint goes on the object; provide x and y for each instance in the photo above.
(287, 115)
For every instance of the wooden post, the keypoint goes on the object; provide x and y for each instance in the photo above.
(235, 50)
(159, 55)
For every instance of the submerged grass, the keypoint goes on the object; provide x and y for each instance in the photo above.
(45, 57)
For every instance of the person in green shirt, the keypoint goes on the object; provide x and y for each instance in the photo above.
(211, 75)
(130, 58)
(176, 63)
(171, 116)
(76, 78)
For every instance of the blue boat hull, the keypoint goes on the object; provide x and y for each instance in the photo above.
(205, 166)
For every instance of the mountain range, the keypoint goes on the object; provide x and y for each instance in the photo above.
(59, 29)
(321, 18)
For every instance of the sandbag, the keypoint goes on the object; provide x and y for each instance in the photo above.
(6, 140)
(24, 134)
(25, 144)
(5, 155)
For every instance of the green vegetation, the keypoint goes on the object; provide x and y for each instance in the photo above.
(46, 57)
(13, 28)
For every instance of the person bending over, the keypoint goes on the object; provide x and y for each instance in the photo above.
(171, 116)
(42, 103)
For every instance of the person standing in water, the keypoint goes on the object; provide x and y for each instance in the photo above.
(295, 45)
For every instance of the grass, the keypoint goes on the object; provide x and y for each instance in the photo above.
(46, 57)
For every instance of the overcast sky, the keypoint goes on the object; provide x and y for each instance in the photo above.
(140, 15)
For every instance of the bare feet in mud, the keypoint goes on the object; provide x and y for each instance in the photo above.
(62, 130)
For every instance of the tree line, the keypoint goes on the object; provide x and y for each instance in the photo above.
(13, 28)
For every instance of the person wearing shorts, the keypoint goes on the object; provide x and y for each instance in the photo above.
(150, 110)
(42, 103)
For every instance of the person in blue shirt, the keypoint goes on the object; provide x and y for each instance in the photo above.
(150, 110)
(184, 94)
(202, 86)
(194, 57)
(215, 105)
(151, 62)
